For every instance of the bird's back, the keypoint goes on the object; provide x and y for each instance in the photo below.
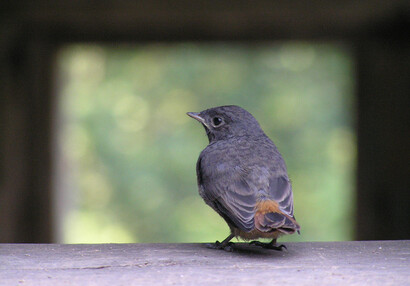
(243, 174)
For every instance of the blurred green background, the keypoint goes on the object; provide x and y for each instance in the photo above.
(127, 152)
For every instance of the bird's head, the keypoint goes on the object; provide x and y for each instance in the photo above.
(228, 121)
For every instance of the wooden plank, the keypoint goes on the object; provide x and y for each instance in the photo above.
(310, 263)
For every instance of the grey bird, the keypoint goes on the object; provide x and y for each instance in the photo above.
(243, 177)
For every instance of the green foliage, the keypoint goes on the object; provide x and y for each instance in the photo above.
(128, 150)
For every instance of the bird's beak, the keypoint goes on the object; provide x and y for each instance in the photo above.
(196, 116)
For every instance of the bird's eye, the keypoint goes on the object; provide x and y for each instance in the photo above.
(216, 121)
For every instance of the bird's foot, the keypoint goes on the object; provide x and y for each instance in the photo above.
(270, 245)
(229, 246)
(225, 244)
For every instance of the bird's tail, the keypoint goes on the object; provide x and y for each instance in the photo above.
(269, 218)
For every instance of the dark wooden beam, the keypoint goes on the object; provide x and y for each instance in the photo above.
(195, 20)
(383, 183)
(25, 193)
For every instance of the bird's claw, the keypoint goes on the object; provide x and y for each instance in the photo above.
(223, 246)
(268, 245)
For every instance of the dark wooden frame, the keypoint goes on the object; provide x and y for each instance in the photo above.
(31, 32)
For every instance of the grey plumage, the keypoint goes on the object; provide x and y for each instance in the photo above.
(243, 177)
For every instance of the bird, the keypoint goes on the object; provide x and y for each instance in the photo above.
(243, 177)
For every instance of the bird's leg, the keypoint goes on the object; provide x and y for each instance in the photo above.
(270, 245)
(225, 244)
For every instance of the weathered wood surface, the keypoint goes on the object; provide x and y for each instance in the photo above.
(317, 263)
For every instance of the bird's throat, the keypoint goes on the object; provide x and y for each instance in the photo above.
(211, 136)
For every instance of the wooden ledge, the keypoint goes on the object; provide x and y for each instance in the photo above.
(307, 263)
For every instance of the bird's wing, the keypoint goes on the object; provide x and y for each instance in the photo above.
(227, 192)
(239, 200)
(280, 190)
(248, 197)
(277, 211)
